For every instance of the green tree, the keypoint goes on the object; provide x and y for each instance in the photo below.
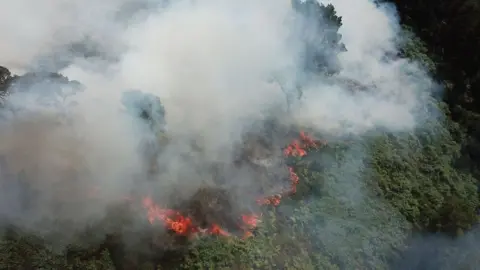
(318, 29)
(450, 30)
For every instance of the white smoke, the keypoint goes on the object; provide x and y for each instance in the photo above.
(211, 62)
(398, 88)
(222, 53)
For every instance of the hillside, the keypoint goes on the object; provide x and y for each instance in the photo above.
(242, 135)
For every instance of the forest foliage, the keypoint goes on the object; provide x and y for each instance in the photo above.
(425, 181)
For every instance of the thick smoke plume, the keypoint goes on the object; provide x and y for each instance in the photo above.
(218, 67)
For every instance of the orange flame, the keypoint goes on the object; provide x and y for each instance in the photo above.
(271, 200)
(182, 225)
(295, 149)
(250, 220)
(215, 229)
(247, 234)
(172, 219)
(307, 140)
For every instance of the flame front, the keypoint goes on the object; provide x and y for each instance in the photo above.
(172, 219)
(183, 225)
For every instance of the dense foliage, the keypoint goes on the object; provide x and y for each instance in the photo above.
(361, 210)
(450, 30)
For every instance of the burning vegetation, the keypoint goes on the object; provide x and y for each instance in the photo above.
(171, 225)
(193, 224)
(210, 211)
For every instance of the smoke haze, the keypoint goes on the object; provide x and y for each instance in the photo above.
(211, 62)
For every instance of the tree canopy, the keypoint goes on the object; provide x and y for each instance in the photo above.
(359, 204)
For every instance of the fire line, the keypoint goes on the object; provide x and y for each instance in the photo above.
(181, 225)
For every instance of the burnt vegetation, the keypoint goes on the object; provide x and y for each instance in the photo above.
(425, 181)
